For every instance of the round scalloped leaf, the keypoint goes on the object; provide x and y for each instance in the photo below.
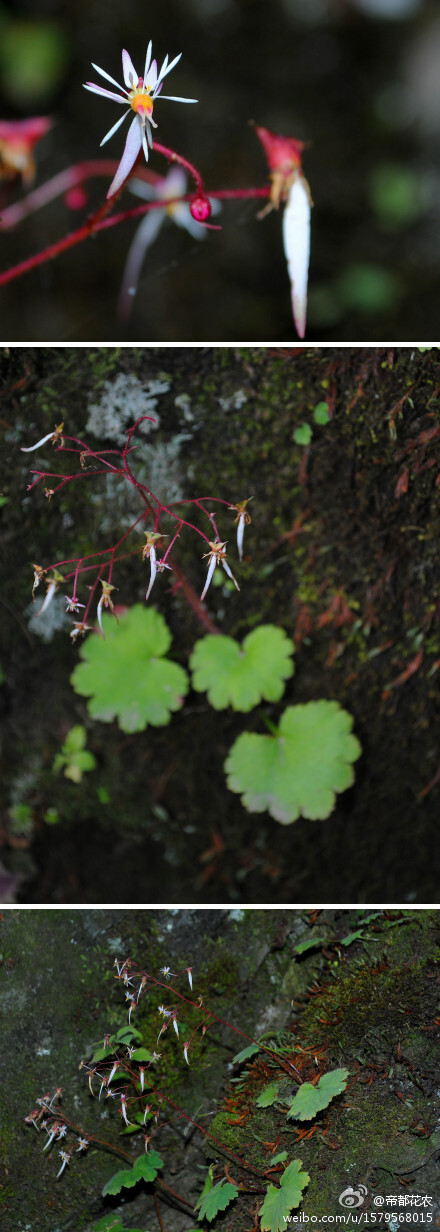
(298, 771)
(240, 676)
(126, 676)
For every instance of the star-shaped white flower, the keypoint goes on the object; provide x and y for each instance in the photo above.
(139, 96)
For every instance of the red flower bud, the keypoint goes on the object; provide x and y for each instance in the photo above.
(200, 208)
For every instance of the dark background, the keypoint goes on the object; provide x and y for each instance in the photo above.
(358, 79)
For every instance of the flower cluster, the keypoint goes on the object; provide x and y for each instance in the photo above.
(118, 1070)
(106, 559)
(44, 1118)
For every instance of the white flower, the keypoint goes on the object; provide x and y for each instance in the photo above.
(55, 437)
(65, 1156)
(165, 188)
(139, 96)
(217, 556)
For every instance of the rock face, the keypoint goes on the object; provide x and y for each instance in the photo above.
(359, 992)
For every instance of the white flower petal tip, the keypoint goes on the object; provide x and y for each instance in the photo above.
(296, 237)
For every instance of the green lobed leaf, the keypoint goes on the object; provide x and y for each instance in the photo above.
(245, 1054)
(141, 1054)
(217, 1200)
(240, 676)
(279, 1202)
(127, 676)
(298, 771)
(310, 944)
(348, 940)
(268, 1096)
(311, 1099)
(145, 1168)
(209, 1183)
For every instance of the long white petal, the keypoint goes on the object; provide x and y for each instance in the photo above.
(108, 78)
(99, 615)
(104, 93)
(131, 151)
(152, 577)
(296, 236)
(49, 596)
(240, 533)
(163, 69)
(230, 573)
(166, 68)
(148, 58)
(140, 188)
(30, 448)
(145, 144)
(212, 565)
(114, 129)
(130, 75)
(151, 76)
(173, 98)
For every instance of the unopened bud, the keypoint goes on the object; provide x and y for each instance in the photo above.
(200, 208)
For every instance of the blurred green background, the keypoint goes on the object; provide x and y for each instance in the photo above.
(357, 78)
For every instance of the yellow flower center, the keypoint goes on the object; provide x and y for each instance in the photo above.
(141, 101)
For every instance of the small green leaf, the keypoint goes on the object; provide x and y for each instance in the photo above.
(241, 676)
(102, 1052)
(217, 1200)
(298, 771)
(245, 1054)
(309, 945)
(268, 1096)
(75, 740)
(209, 1183)
(141, 1054)
(303, 435)
(74, 757)
(120, 1180)
(321, 413)
(125, 1034)
(51, 816)
(278, 1159)
(279, 1202)
(127, 674)
(352, 937)
(311, 1099)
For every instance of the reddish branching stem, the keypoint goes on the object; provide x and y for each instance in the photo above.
(104, 560)
(99, 221)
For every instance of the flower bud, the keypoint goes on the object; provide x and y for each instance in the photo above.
(200, 208)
